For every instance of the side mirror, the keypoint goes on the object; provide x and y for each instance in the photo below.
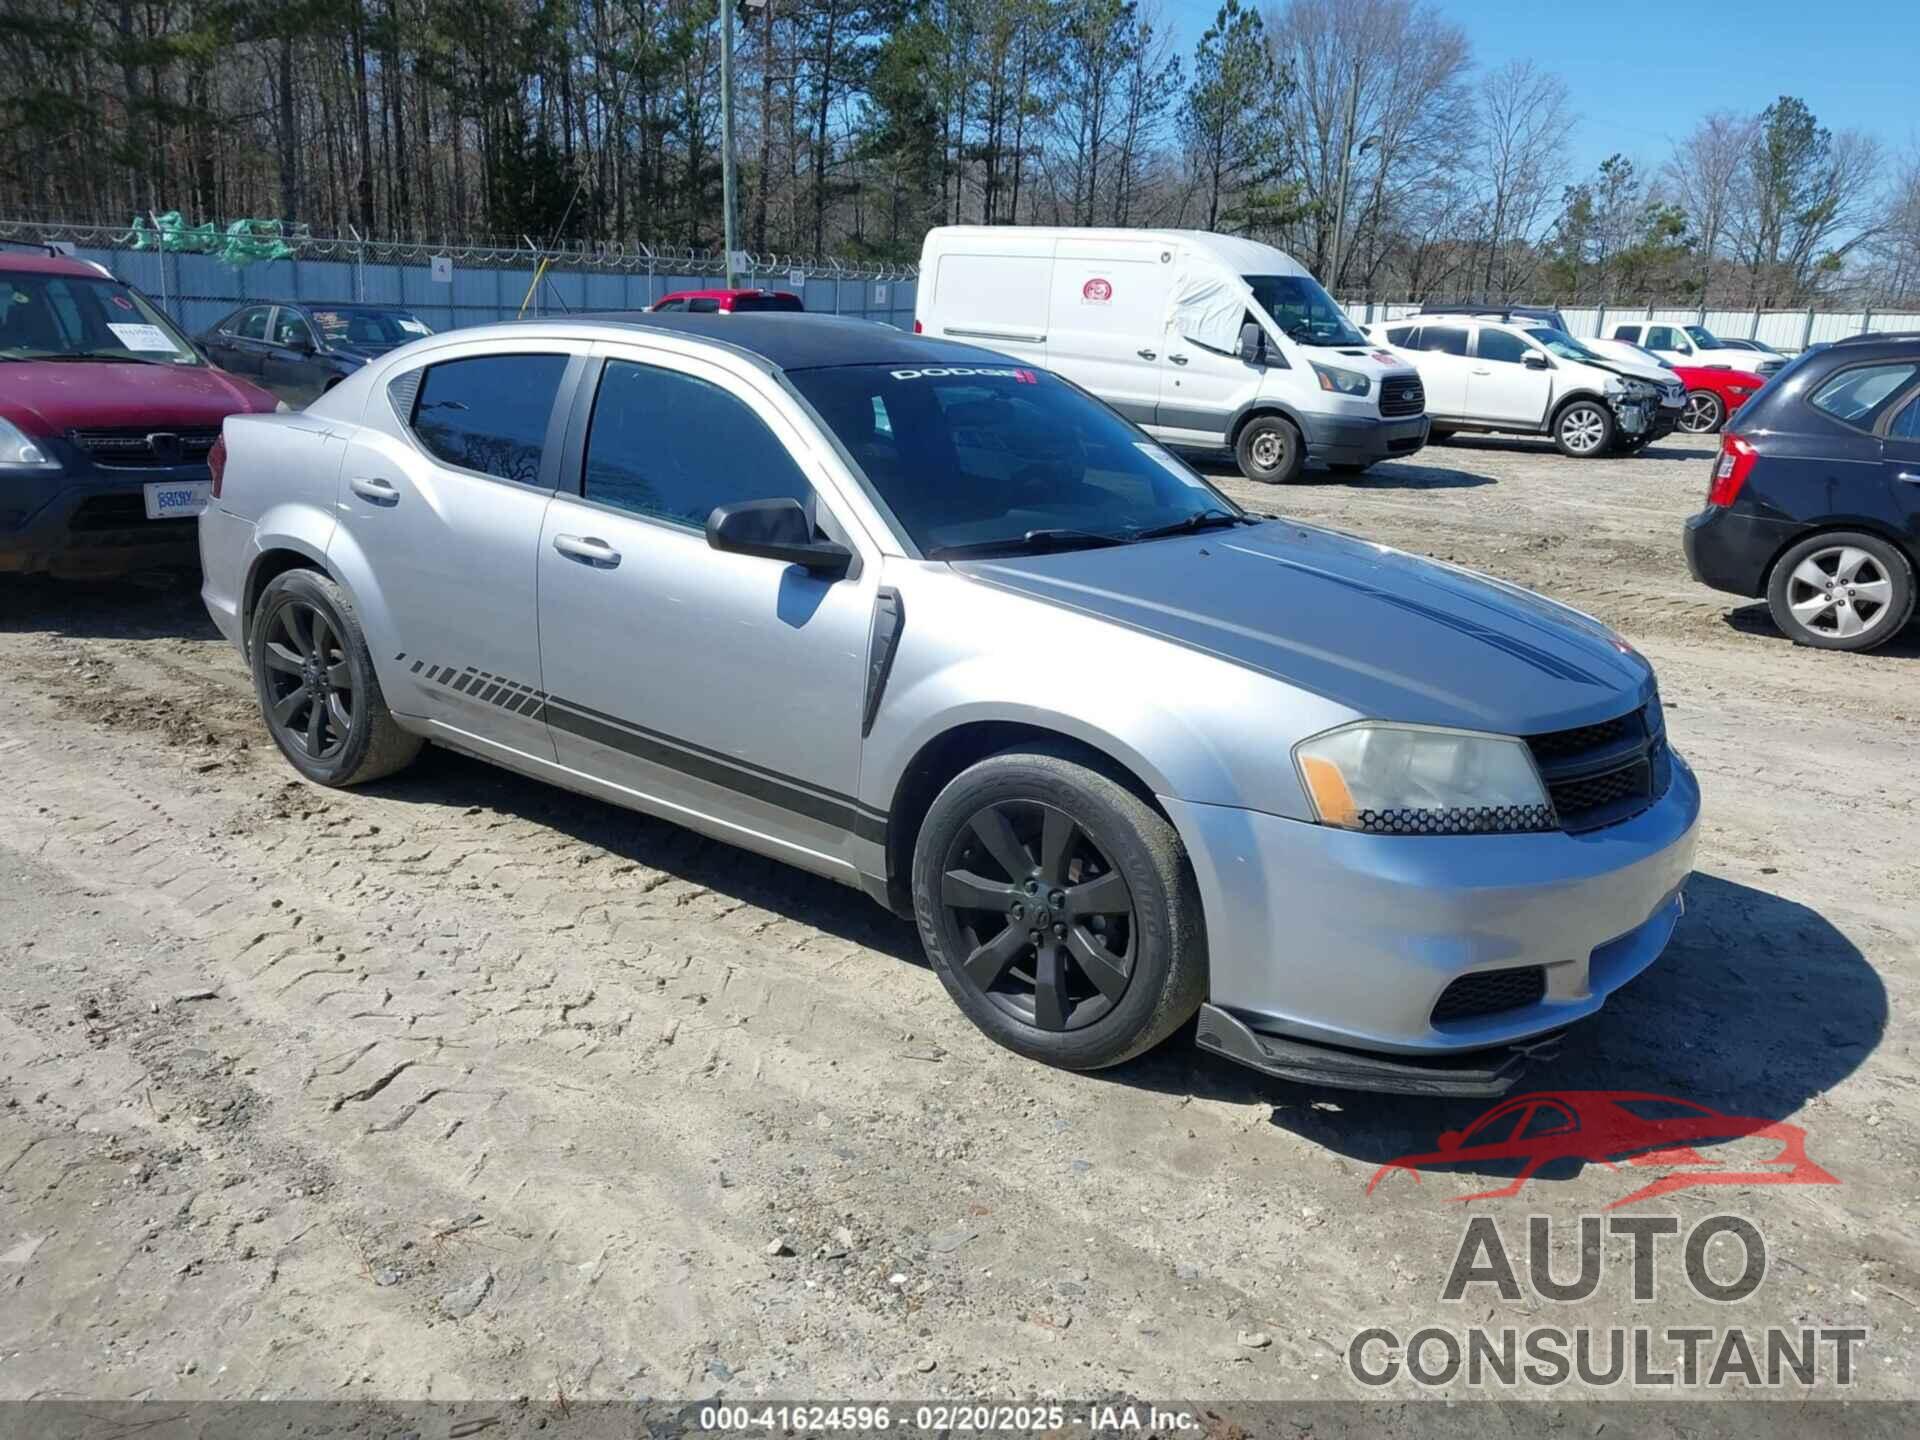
(300, 344)
(1534, 360)
(1253, 344)
(776, 530)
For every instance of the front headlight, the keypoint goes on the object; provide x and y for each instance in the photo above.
(19, 449)
(1341, 382)
(1421, 780)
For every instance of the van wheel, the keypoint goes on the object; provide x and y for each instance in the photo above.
(1841, 591)
(1270, 450)
(1059, 909)
(1583, 429)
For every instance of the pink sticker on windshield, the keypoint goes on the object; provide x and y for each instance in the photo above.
(122, 301)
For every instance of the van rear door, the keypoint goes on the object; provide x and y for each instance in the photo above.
(1106, 326)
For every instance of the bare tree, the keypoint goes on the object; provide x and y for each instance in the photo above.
(1704, 175)
(1411, 109)
(1521, 163)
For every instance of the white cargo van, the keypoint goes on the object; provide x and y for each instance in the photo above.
(1205, 341)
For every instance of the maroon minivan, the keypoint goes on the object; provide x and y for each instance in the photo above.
(107, 415)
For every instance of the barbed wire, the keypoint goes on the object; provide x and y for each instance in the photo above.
(609, 255)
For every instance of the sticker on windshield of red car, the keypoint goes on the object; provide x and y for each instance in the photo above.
(1097, 291)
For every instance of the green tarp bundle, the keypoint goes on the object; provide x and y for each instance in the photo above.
(243, 242)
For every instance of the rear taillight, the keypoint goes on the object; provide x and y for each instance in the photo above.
(217, 463)
(918, 328)
(1730, 471)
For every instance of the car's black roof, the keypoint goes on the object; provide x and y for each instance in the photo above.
(808, 342)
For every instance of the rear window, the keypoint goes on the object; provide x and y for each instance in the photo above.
(1857, 396)
(752, 304)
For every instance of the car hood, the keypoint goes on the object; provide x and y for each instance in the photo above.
(1387, 634)
(48, 398)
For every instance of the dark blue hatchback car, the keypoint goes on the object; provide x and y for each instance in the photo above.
(1815, 498)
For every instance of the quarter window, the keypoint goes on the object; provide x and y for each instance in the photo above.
(1503, 347)
(655, 447)
(1856, 396)
(490, 413)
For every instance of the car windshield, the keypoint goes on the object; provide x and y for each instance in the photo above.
(1304, 312)
(754, 304)
(1705, 338)
(1558, 342)
(80, 317)
(977, 460)
(386, 328)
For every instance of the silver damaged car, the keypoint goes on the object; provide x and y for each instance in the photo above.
(939, 625)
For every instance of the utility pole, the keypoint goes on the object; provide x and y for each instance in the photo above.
(1346, 166)
(726, 131)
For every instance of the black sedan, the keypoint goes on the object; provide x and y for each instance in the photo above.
(1815, 498)
(301, 351)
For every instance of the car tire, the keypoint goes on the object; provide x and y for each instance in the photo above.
(1583, 429)
(1702, 413)
(1270, 450)
(1049, 833)
(316, 684)
(1819, 588)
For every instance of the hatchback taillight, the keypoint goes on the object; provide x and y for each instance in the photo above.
(1730, 471)
(918, 328)
(217, 463)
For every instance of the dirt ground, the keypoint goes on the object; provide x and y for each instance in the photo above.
(463, 1086)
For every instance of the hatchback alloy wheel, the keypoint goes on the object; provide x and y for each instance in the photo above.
(1044, 919)
(1841, 592)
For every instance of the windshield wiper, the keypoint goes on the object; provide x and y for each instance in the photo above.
(1038, 540)
(1199, 520)
(121, 356)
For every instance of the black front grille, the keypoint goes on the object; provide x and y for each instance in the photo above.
(1604, 773)
(158, 448)
(1402, 395)
(1488, 992)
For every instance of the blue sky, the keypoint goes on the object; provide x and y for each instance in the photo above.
(1642, 72)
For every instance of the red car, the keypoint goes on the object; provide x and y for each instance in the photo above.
(1607, 1126)
(1713, 393)
(107, 416)
(728, 302)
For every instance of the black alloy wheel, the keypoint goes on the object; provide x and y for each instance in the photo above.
(310, 687)
(1042, 921)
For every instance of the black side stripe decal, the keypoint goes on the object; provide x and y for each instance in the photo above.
(743, 778)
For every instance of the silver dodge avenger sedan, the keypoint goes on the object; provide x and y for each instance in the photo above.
(939, 625)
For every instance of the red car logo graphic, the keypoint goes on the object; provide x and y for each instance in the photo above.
(1097, 291)
(1613, 1128)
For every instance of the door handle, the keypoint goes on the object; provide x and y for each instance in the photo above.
(588, 549)
(1907, 476)
(372, 487)
(1178, 359)
(1146, 354)
(1483, 372)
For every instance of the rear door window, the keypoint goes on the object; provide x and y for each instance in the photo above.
(703, 305)
(489, 413)
(1858, 396)
(1444, 339)
(1627, 332)
(253, 324)
(652, 448)
(1906, 425)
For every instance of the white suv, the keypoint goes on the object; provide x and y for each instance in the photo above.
(1489, 375)
(1697, 345)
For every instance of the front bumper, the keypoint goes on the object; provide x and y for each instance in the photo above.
(91, 521)
(1732, 551)
(1331, 938)
(1359, 440)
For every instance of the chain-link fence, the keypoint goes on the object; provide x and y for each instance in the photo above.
(452, 286)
